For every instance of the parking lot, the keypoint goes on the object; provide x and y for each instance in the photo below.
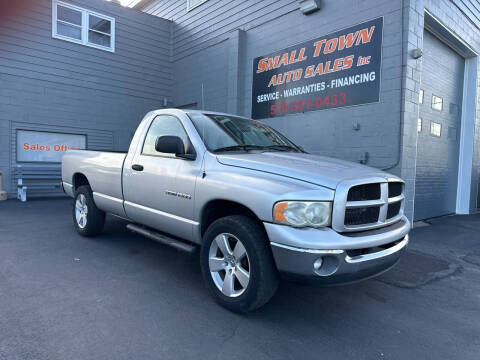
(121, 296)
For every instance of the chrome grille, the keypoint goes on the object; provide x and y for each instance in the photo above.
(368, 205)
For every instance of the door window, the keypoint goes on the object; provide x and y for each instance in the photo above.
(163, 125)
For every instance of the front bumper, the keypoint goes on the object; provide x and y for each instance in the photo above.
(354, 257)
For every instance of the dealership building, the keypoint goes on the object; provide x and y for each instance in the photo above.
(388, 83)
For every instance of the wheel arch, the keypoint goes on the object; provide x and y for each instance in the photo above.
(218, 208)
(79, 179)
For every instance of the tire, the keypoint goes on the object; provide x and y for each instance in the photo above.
(238, 295)
(87, 218)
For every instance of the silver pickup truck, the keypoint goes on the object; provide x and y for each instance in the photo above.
(257, 205)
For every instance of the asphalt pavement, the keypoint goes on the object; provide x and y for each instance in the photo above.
(121, 296)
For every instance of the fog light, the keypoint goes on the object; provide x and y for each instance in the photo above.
(326, 265)
(318, 264)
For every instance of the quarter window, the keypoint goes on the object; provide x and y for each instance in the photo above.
(163, 125)
(82, 26)
(192, 4)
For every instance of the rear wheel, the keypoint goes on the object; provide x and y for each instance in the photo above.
(237, 263)
(87, 218)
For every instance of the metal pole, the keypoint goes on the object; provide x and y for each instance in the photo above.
(3, 194)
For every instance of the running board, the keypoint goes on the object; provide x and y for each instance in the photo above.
(161, 238)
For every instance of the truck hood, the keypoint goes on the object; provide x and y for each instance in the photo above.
(315, 169)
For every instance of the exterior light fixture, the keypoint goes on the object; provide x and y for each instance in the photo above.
(417, 53)
(309, 6)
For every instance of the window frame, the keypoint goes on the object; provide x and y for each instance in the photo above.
(433, 104)
(433, 125)
(166, 155)
(190, 7)
(85, 27)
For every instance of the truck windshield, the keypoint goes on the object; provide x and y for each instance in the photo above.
(228, 133)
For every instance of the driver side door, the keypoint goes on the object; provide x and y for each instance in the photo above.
(153, 180)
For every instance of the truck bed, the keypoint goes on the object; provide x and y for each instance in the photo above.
(103, 170)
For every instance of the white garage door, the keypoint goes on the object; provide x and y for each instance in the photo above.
(438, 129)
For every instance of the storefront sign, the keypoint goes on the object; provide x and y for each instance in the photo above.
(38, 146)
(336, 70)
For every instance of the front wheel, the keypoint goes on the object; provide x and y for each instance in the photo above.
(237, 263)
(88, 219)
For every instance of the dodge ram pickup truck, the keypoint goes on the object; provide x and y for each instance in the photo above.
(257, 205)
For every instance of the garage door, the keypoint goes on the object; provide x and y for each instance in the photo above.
(438, 129)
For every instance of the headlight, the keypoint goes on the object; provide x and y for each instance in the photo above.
(303, 213)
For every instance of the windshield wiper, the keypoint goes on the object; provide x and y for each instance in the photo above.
(245, 147)
(282, 148)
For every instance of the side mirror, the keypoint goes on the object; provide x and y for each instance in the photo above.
(172, 145)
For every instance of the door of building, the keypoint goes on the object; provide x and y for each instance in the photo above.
(438, 129)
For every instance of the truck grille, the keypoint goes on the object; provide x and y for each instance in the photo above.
(395, 189)
(365, 206)
(364, 192)
(393, 209)
(364, 215)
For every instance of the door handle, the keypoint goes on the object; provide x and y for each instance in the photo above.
(137, 167)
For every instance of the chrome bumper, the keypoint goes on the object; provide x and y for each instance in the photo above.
(340, 265)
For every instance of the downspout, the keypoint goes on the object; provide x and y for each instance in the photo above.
(402, 93)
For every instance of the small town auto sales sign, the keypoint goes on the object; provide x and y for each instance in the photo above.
(336, 70)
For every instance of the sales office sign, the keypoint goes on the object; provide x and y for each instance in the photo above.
(38, 146)
(336, 70)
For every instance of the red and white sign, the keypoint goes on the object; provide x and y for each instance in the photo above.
(39, 146)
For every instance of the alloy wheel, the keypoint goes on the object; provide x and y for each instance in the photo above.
(81, 211)
(229, 265)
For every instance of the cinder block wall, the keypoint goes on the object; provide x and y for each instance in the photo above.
(218, 41)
